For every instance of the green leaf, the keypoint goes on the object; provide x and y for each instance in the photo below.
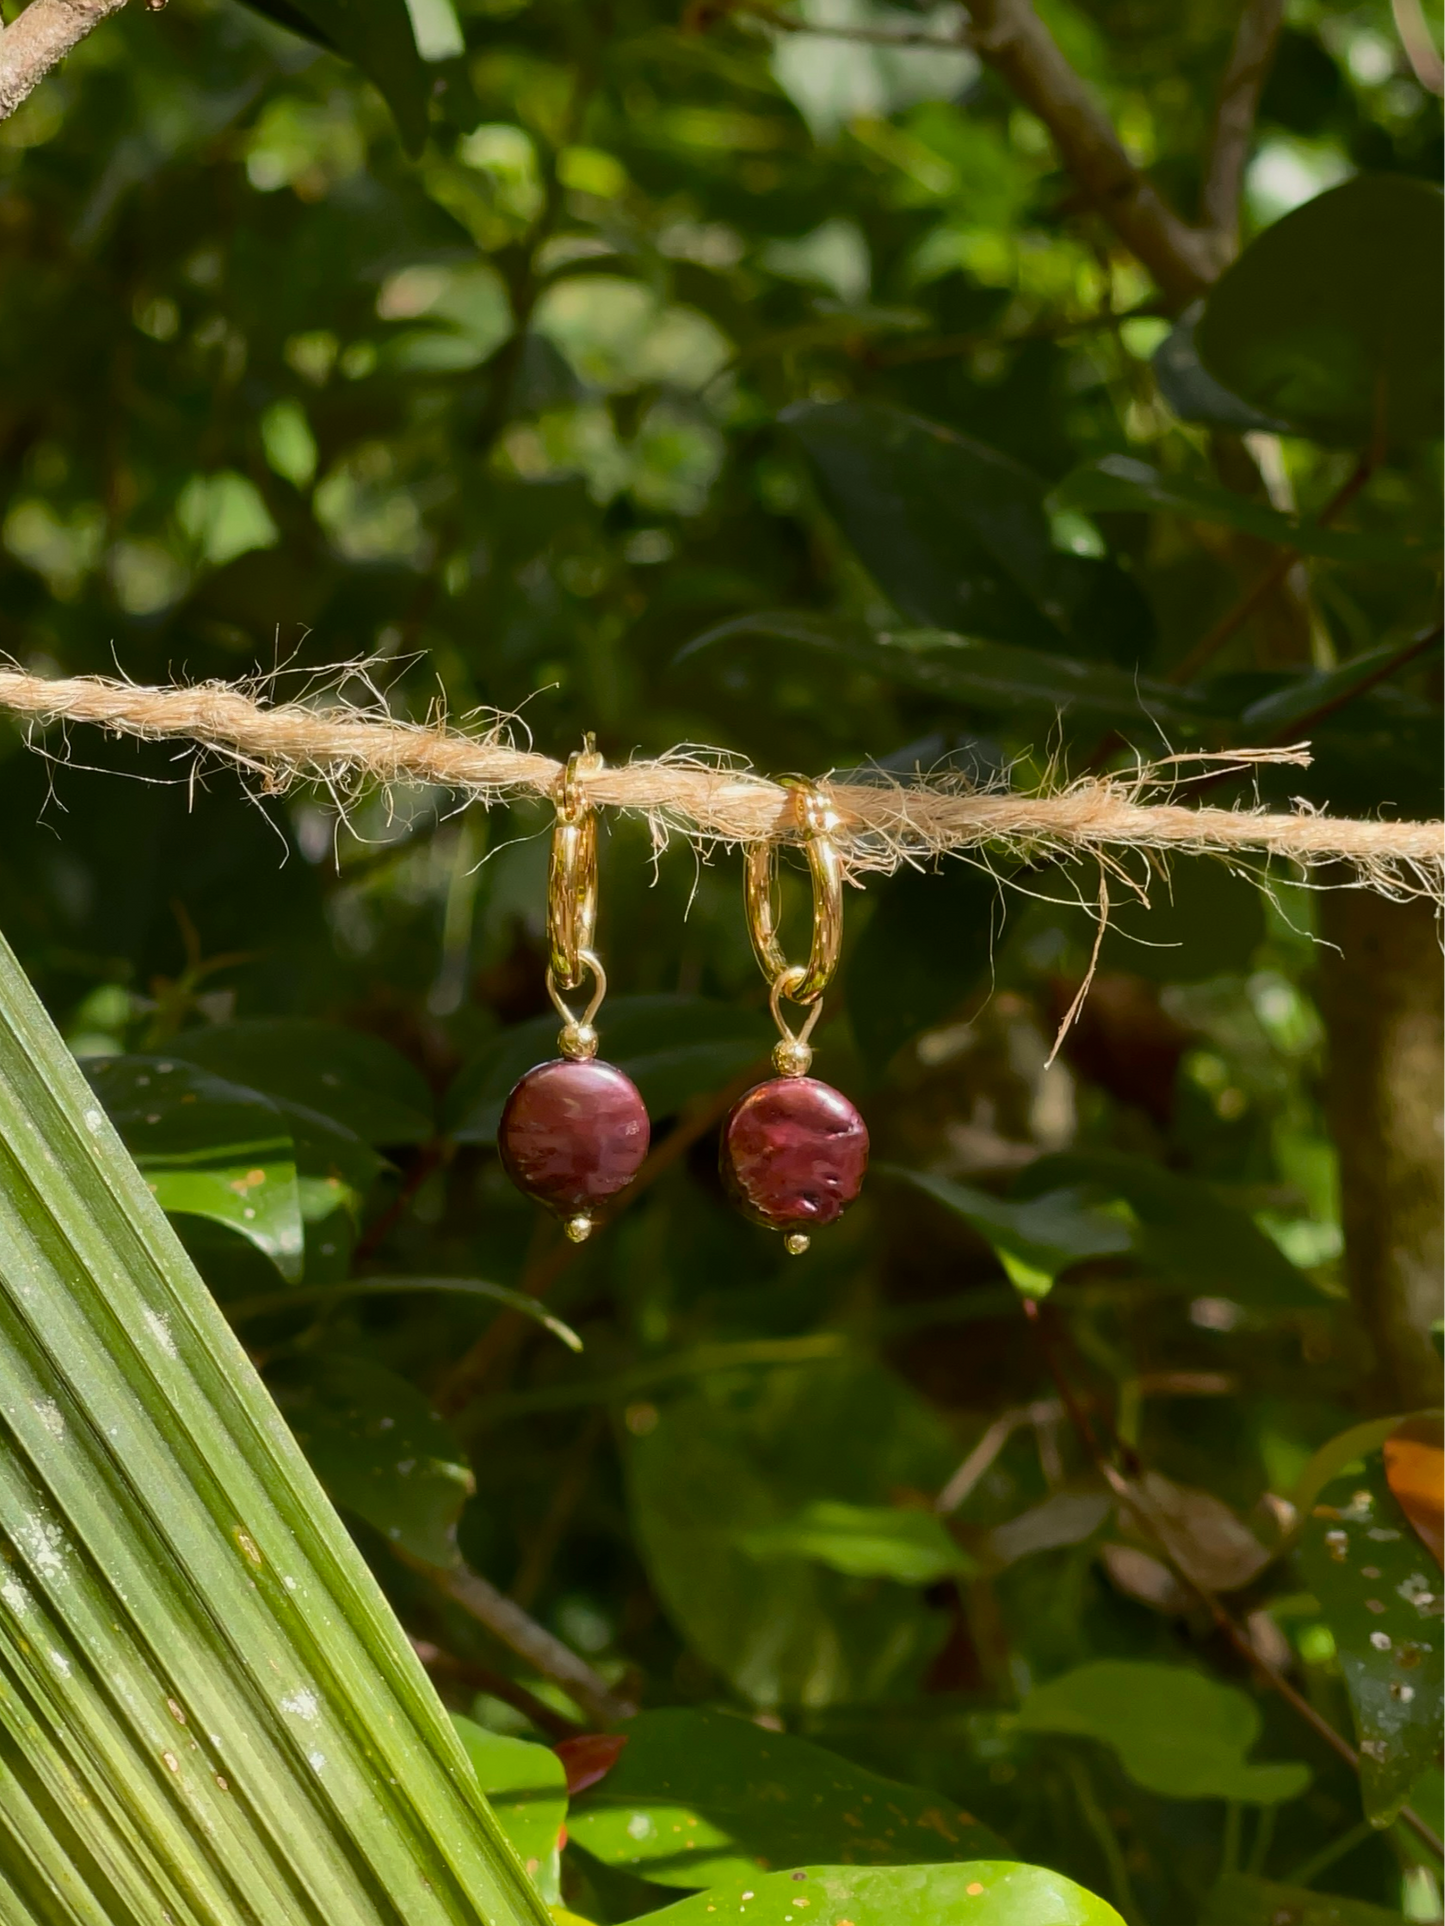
(239, 1309)
(208, 1707)
(958, 670)
(1202, 920)
(1331, 318)
(1306, 695)
(1381, 1594)
(526, 1787)
(747, 1453)
(1034, 1240)
(1191, 1238)
(953, 531)
(924, 949)
(705, 1798)
(356, 1080)
(1239, 1900)
(380, 1450)
(1119, 482)
(673, 1048)
(1348, 1448)
(378, 36)
(208, 1149)
(863, 1541)
(1193, 393)
(1176, 1732)
(980, 1893)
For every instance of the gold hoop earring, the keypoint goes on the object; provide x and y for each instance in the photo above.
(574, 1131)
(795, 1150)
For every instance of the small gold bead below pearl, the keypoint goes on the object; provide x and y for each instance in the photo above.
(795, 1243)
(579, 1228)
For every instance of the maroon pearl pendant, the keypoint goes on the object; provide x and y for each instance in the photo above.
(573, 1134)
(794, 1152)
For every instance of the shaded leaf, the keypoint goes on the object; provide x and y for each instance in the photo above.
(526, 1788)
(208, 1149)
(982, 1892)
(960, 670)
(356, 1080)
(1349, 1447)
(1331, 317)
(1205, 1539)
(953, 531)
(673, 1048)
(1193, 393)
(1176, 1732)
(1190, 1237)
(1036, 1239)
(1306, 695)
(239, 1309)
(704, 1798)
(380, 1449)
(1119, 482)
(1239, 1900)
(1380, 1591)
(378, 36)
(863, 1541)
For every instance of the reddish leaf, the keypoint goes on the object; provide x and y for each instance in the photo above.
(1415, 1471)
(589, 1758)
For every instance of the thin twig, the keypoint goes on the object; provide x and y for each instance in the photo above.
(1255, 40)
(444, 1665)
(1234, 619)
(521, 1634)
(1009, 36)
(39, 39)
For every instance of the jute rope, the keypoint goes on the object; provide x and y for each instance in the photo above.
(884, 823)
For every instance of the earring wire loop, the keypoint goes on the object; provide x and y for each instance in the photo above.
(572, 873)
(799, 983)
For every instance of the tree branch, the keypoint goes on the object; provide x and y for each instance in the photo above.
(1009, 36)
(1255, 40)
(39, 39)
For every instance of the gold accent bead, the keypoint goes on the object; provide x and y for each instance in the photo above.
(579, 1228)
(795, 1243)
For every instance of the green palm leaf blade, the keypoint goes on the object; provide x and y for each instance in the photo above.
(208, 1714)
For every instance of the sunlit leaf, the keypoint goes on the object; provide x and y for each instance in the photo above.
(1177, 1732)
(526, 1788)
(863, 1541)
(982, 1892)
(703, 1799)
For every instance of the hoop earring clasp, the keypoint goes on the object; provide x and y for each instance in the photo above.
(799, 983)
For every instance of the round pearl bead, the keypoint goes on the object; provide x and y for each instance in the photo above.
(573, 1134)
(793, 1154)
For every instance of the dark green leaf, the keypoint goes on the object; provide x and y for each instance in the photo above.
(1331, 319)
(863, 1541)
(956, 669)
(704, 1798)
(1177, 1732)
(746, 1455)
(1381, 1593)
(1034, 1240)
(1273, 715)
(926, 947)
(1191, 1239)
(952, 530)
(239, 1309)
(1119, 482)
(1193, 393)
(673, 1048)
(208, 1149)
(356, 1080)
(1202, 920)
(378, 36)
(980, 1893)
(380, 1450)
(1239, 1900)
(526, 1787)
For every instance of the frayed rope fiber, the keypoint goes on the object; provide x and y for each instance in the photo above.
(883, 823)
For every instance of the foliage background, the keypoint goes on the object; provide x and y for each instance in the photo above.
(516, 419)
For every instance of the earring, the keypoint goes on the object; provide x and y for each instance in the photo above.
(794, 1150)
(574, 1131)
